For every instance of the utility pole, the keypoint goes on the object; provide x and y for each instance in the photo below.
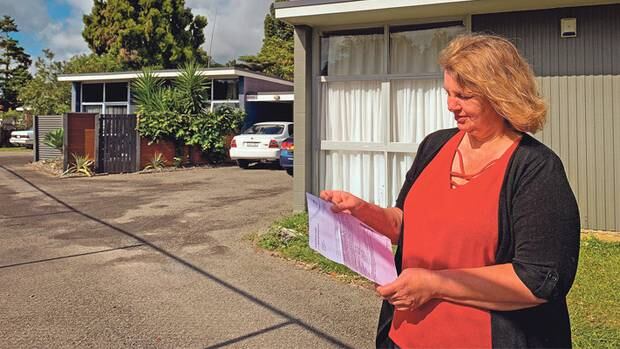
(211, 42)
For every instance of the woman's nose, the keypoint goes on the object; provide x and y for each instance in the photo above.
(453, 105)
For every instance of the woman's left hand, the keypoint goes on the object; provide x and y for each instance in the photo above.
(413, 288)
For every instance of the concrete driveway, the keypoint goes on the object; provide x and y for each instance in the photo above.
(160, 260)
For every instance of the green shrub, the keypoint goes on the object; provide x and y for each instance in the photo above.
(55, 139)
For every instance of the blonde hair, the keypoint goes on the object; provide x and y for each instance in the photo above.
(491, 67)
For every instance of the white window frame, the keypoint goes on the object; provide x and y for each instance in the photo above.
(321, 146)
(103, 103)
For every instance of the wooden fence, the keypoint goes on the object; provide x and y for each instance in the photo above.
(117, 143)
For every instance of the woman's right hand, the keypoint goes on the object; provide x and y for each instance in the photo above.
(342, 201)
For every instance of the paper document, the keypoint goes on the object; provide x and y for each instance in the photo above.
(346, 240)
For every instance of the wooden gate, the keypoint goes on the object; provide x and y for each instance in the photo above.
(117, 143)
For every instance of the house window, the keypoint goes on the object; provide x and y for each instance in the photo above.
(105, 98)
(116, 92)
(225, 90)
(92, 93)
(358, 52)
(380, 93)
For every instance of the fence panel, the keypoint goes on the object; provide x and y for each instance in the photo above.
(117, 143)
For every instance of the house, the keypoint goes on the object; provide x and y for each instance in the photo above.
(368, 89)
(263, 97)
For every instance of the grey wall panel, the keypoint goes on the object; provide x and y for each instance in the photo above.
(47, 123)
(582, 128)
(251, 85)
(595, 50)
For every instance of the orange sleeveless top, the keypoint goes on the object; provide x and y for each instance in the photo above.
(448, 226)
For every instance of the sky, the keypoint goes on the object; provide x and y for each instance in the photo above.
(57, 25)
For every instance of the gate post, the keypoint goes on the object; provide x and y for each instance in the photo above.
(65, 148)
(97, 135)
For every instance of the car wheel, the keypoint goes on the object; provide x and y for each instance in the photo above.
(243, 163)
(289, 171)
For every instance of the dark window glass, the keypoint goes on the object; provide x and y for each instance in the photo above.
(92, 92)
(290, 130)
(265, 130)
(116, 92)
(225, 90)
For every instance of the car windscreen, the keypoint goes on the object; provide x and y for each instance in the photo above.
(264, 130)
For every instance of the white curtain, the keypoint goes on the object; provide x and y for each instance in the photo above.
(360, 173)
(355, 55)
(417, 51)
(116, 109)
(419, 107)
(398, 167)
(353, 111)
(92, 108)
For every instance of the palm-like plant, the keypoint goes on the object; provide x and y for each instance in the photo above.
(192, 88)
(81, 164)
(157, 162)
(55, 139)
(149, 92)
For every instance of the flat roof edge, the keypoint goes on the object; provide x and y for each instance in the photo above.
(299, 3)
(129, 75)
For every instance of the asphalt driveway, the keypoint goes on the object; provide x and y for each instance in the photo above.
(161, 260)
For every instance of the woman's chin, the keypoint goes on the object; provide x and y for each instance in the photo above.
(463, 126)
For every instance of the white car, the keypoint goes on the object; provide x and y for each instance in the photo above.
(260, 143)
(24, 138)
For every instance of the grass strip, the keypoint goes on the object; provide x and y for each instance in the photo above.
(14, 149)
(594, 300)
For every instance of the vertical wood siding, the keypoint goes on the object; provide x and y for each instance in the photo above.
(583, 128)
(580, 79)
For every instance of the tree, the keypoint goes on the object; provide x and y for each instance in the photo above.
(276, 55)
(44, 94)
(139, 33)
(14, 64)
(92, 63)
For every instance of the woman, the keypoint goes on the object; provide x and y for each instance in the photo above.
(486, 224)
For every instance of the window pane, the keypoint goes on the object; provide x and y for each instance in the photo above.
(91, 109)
(353, 111)
(116, 109)
(417, 51)
(225, 89)
(92, 92)
(399, 164)
(291, 128)
(116, 92)
(353, 54)
(360, 173)
(419, 107)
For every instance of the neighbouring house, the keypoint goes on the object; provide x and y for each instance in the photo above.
(368, 89)
(262, 97)
(103, 101)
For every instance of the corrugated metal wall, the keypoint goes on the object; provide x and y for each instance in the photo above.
(45, 124)
(580, 78)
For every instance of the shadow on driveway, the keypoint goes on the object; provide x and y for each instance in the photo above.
(291, 320)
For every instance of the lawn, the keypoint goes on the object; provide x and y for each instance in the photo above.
(14, 149)
(594, 300)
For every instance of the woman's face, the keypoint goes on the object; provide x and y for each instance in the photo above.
(473, 114)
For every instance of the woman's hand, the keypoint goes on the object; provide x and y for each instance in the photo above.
(413, 288)
(343, 201)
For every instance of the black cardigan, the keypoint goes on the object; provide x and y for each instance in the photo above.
(538, 233)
